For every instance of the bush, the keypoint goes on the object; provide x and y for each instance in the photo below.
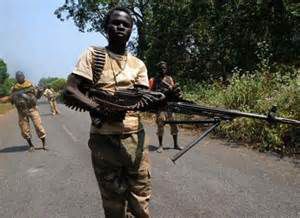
(6, 86)
(58, 84)
(255, 92)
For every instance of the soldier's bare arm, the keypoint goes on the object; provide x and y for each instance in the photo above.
(73, 91)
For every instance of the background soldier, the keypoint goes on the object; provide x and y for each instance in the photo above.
(119, 158)
(23, 97)
(50, 94)
(164, 81)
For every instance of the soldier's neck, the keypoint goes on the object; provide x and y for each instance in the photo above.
(117, 48)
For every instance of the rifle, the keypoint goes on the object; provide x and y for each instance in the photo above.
(138, 99)
(216, 116)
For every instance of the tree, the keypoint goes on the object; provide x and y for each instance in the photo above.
(3, 71)
(5, 82)
(58, 84)
(201, 39)
(88, 15)
(5, 88)
(44, 82)
(53, 82)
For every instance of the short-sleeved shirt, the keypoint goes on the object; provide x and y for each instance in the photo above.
(49, 93)
(119, 72)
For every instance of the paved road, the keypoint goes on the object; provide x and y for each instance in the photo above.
(216, 179)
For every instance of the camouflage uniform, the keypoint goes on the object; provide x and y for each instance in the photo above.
(27, 111)
(163, 116)
(119, 158)
(50, 95)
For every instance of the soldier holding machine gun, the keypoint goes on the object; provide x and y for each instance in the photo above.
(119, 158)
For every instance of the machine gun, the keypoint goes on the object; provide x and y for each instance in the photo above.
(24, 99)
(215, 117)
(138, 99)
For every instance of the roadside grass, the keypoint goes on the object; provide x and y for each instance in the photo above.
(255, 92)
(5, 107)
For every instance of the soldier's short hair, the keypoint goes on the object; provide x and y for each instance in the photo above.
(119, 8)
(161, 63)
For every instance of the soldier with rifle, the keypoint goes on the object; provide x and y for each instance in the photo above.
(156, 84)
(23, 97)
(119, 157)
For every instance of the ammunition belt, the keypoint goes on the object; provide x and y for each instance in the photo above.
(99, 56)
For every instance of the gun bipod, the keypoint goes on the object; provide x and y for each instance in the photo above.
(216, 123)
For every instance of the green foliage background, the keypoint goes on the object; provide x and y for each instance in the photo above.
(240, 54)
(53, 82)
(255, 93)
(201, 39)
(5, 82)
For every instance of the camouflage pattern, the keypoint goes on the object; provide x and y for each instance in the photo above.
(122, 169)
(23, 96)
(163, 116)
(120, 161)
(51, 96)
(53, 106)
(24, 124)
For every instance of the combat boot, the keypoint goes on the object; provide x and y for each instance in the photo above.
(45, 146)
(160, 147)
(31, 146)
(176, 146)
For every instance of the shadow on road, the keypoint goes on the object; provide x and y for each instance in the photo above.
(14, 149)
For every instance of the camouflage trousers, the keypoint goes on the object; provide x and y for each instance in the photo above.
(34, 115)
(163, 116)
(53, 106)
(121, 165)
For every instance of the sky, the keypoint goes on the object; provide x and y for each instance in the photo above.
(34, 41)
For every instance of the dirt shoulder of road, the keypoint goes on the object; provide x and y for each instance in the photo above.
(5, 107)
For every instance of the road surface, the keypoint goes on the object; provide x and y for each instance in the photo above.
(215, 179)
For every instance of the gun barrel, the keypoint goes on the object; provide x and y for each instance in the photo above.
(181, 107)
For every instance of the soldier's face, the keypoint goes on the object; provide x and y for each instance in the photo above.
(20, 78)
(163, 69)
(119, 27)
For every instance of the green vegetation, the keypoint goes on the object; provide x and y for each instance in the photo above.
(255, 93)
(236, 54)
(53, 82)
(3, 72)
(5, 82)
(201, 39)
